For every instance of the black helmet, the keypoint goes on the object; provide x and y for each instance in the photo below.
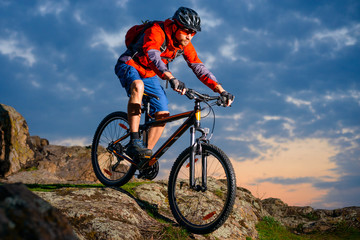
(188, 18)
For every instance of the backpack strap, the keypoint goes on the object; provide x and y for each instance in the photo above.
(134, 47)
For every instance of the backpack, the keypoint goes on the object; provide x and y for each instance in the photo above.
(135, 33)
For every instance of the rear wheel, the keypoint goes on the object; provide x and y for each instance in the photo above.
(110, 169)
(197, 209)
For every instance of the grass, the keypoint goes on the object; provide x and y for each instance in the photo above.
(170, 232)
(270, 229)
(129, 187)
(28, 169)
(52, 187)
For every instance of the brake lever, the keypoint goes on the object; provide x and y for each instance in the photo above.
(219, 102)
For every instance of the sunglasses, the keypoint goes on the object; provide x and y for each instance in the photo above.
(185, 31)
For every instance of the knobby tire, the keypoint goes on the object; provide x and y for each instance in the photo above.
(107, 167)
(202, 212)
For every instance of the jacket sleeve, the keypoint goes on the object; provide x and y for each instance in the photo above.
(153, 39)
(202, 73)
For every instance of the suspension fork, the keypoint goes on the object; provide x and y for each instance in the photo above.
(197, 149)
(192, 157)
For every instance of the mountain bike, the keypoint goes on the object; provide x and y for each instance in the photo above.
(202, 184)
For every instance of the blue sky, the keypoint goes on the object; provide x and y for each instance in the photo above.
(293, 131)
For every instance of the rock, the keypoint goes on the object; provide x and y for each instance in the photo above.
(37, 142)
(58, 164)
(43, 163)
(240, 224)
(73, 164)
(23, 215)
(14, 149)
(103, 213)
(308, 220)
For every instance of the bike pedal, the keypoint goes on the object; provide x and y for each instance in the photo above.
(144, 163)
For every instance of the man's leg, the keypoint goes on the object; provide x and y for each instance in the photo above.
(136, 147)
(155, 132)
(134, 105)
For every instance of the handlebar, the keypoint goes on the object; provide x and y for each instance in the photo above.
(193, 94)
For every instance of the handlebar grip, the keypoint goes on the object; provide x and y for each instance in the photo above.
(219, 102)
(189, 93)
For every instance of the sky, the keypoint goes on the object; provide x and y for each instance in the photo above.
(293, 131)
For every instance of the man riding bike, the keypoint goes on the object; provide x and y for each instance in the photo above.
(138, 66)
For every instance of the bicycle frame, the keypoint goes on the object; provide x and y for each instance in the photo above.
(192, 122)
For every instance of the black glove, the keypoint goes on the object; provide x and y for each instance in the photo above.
(226, 97)
(176, 84)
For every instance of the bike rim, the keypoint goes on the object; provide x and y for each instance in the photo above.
(107, 162)
(196, 208)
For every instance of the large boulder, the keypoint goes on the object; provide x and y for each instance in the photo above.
(112, 213)
(240, 224)
(23, 215)
(58, 164)
(104, 213)
(15, 152)
(309, 220)
(43, 163)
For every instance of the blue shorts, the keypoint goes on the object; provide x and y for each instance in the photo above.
(127, 74)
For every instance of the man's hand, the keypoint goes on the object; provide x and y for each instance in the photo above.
(227, 98)
(177, 85)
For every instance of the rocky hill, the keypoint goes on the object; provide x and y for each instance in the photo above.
(114, 213)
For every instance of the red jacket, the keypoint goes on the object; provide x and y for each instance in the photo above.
(151, 61)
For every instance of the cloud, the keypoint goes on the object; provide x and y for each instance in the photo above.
(78, 15)
(334, 96)
(112, 41)
(208, 59)
(338, 38)
(286, 181)
(16, 46)
(122, 3)
(288, 124)
(208, 19)
(234, 117)
(306, 19)
(327, 42)
(178, 108)
(35, 83)
(70, 87)
(228, 50)
(52, 7)
(5, 3)
(300, 103)
(80, 141)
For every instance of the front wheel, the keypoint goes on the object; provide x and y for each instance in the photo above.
(112, 135)
(199, 210)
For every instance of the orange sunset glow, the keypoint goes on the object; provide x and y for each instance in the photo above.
(309, 158)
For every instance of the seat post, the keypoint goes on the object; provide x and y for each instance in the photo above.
(146, 111)
(146, 108)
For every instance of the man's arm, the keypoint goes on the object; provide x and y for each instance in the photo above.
(205, 75)
(202, 73)
(153, 40)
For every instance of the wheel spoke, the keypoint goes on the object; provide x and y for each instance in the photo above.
(110, 169)
(202, 211)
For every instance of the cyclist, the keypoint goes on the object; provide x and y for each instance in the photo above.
(138, 66)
